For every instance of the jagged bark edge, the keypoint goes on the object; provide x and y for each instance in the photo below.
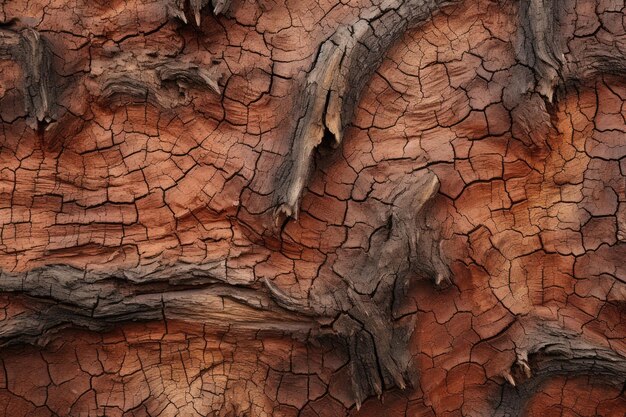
(332, 88)
(548, 350)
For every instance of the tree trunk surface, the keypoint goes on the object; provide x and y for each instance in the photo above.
(312, 208)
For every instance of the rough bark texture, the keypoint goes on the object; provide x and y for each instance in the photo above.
(312, 208)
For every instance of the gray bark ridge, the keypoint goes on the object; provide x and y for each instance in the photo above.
(547, 350)
(377, 340)
(66, 296)
(549, 44)
(332, 87)
(32, 53)
(366, 300)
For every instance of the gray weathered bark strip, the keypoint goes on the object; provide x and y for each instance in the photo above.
(30, 50)
(539, 43)
(558, 58)
(379, 354)
(196, 293)
(366, 319)
(147, 80)
(548, 350)
(333, 86)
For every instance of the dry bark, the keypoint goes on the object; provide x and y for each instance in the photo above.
(266, 208)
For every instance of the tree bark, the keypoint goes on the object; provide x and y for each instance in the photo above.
(265, 208)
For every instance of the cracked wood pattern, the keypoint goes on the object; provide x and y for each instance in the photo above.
(312, 208)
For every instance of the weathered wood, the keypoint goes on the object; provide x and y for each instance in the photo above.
(263, 208)
(332, 87)
(149, 82)
(28, 48)
(546, 350)
(179, 8)
(96, 301)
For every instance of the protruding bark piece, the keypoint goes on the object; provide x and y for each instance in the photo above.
(542, 44)
(332, 88)
(151, 79)
(378, 348)
(522, 363)
(220, 6)
(366, 379)
(553, 350)
(37, 62)
(323, 104)
(541, 47)
(179, 8)
(508, 377)
(31, 51)
(68, 296)
(186, 75)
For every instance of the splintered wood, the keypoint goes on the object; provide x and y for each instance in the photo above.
(312, 208)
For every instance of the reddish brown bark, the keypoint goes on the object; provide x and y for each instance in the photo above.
(309, 208)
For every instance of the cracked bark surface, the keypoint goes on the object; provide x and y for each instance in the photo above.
(312, 208)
